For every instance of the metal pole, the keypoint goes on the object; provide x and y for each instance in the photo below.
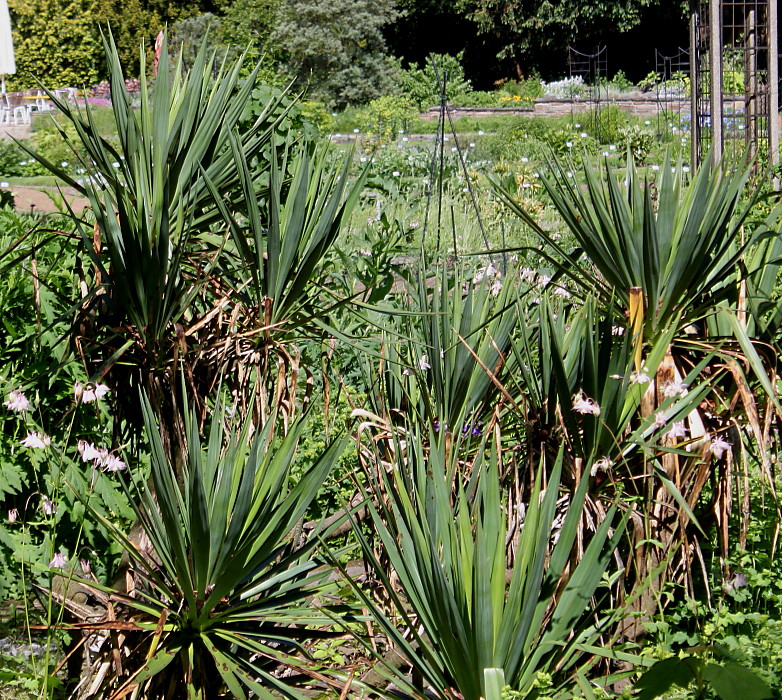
(715, 74)
(773, 85)
(695, 86)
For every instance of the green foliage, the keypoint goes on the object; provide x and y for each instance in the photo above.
(385, 116)
(336, 47)
(466, 613)
(621, 82)
(56, 42)
(522, 28)
(423, 84)
(232, 583)
(681, 251)
(34, 359)
(249, 24)
(729, 680)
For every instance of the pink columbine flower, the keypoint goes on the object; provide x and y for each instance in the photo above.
(718, 446)
(17, 402)
(674, 388)
(13, 515)
(48, 506)
(88, 451)
(639, 378)
(36, 440)
(86, 569)
(660, 419)
(89, 392)
(57, 562)
(601, 465)
(583, 404)
(114, 464)
(677, 430)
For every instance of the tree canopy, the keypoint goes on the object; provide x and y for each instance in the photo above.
(345, 51)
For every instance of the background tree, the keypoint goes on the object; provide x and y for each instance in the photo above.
(337, 46)
(526, 33)
(54, 40)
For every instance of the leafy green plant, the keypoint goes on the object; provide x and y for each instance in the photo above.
(422, 85)
(728, 680)
(224, 596)
(383, 117)
(681, 250)
(463, 608)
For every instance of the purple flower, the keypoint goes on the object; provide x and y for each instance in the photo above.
(718, 447)
(57, 562)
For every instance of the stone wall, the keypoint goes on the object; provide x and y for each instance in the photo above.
(555, 107)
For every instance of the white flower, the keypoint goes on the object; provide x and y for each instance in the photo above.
(13, 515)
(584, 134)
(36, 440)
(103, 457)
(89, 392)
(601, 465)
(396, 173)
(718, 447)
(423, 363)
(478, 276)
(17, 402)
(57, 562)
(355, 131)
(569, 144)
(562, 292)
(583, 404)
(496, 288)
(407, 371)
(527, 274)
(525, 159)
(660, 419)
(88, 451)
(677, 430)
(639, 378)
(114, 464)
(48, 506)
(612, 147)
(491, 271)
(674, 388)
(543, 280)
(86, 569)
(655, 167)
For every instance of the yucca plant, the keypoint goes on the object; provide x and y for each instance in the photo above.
(224, 592)
(461, 608)
(679, 242)
(446, 358)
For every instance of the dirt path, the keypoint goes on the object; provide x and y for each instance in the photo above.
(44, 199)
